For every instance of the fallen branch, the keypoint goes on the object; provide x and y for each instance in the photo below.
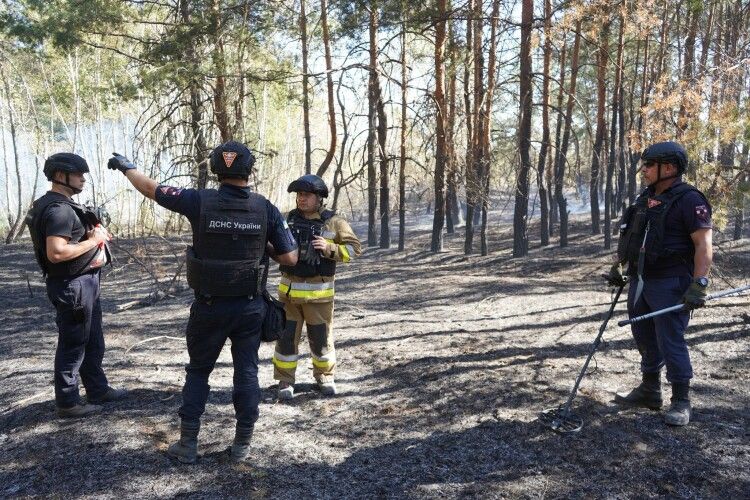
(26, 400)
(151, 340)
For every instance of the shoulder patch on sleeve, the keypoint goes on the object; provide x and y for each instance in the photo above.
(170, 191)
(701, 212)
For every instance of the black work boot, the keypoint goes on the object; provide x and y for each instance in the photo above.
(240, 449)
(679, 412)
(186, 449)
(646, 395)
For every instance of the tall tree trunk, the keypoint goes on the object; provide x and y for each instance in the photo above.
(554, 215)
(436, 244)
(562, 203)
(598, 152)
(520, 214)
(544, 146)
(200, 148)
(612, 159)
(477, 128)
(305, 87)
(402, 149)
(15, 226)
(451, 199)
(329, 85)
(220, 100)
(372, 96)
(694, 13)
(385, 204)
(739, 213)
(470, 177)
(486, 161)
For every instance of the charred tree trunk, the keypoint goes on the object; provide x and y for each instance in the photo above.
(598, 153)
(372, 96)
(486, 161)
(611, 161)
(451, 198)
(402, 149)
(561, 160)
(470, 176)
(436, 244)
(385, 204)
(520, 214)
(544, 146)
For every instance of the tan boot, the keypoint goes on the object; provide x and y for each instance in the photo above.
(112, 394)
(78, 411)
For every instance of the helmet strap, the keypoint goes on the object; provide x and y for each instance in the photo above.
(67, 184)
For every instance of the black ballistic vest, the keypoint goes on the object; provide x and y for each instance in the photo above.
(646, 221)
(227, 256)
(303, 231)
(69, 268)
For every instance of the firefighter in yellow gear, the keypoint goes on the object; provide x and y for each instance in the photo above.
(307, 288)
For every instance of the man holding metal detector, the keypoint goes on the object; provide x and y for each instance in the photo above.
(666, 241)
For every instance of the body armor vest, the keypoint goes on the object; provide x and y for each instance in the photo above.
(303, 231)
(69, 268)
(642, 229)
(227, 256)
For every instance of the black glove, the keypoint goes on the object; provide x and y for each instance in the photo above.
(119, 162)
(615, 276)
(312, 256)
(695, 295)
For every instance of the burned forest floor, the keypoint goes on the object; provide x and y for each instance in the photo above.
(444, 362)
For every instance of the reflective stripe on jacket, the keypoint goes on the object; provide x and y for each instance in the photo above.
(306, 290)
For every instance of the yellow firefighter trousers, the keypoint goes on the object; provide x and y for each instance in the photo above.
(318, 316)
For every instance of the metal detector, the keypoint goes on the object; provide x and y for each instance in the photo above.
(561, 419)
(682, 307)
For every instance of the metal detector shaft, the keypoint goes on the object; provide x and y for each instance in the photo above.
(680, 307)
(594, 346)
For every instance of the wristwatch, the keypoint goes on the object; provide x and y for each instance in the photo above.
(702, 281)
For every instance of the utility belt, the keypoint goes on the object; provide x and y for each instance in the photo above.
(211, 278)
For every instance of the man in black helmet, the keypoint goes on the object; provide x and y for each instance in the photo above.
(71, 247)
(666, 241)
(307, 287)
(234, 233)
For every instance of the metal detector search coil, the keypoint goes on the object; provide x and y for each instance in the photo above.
(561, 419)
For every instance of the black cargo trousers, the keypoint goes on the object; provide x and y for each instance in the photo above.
(80, 341)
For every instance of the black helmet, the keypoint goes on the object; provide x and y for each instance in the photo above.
(231, 159)
(667, 152)
(64, 162)
(310, 184)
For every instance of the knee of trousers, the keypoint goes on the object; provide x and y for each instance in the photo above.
(318, 337)
(287, 343)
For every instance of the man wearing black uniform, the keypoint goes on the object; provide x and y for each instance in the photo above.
(234, 231)
(666, 238)
(70, 247)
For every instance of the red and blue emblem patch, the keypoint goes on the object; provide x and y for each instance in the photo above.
(701, 212)
(170, 191)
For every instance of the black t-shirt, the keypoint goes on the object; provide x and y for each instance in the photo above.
(188, 203)
(688, 214)
(61, 220)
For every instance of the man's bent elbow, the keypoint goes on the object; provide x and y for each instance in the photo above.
(288, 259)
